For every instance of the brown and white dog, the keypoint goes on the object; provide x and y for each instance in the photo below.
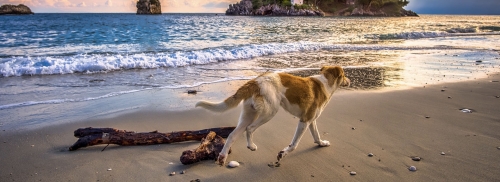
(304, 98)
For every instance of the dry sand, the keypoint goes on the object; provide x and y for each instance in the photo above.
(390, 124)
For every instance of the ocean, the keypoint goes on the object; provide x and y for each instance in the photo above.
(59, 68)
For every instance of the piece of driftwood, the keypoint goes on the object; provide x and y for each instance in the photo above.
(95, 136)
(209, 148)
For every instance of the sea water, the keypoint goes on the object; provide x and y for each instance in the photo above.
(66, 67)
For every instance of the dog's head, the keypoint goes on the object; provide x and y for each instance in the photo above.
(335, 76)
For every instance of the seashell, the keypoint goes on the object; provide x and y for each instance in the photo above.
(183, 172)
(416, 158)
(466, 110)
(172, 173)
(110, 169)
(412, 168)
(352, 173)
(370, 155)
(233, 164)
(442, 153)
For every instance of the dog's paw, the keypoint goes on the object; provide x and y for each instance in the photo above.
(252, 147)
(221, 159)
(281, 155)
(324, 143)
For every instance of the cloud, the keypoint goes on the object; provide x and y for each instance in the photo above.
(217, 5)
(62, 3)
(108, 3)
(82, 4)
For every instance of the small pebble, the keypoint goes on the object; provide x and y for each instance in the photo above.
(32, 145)
(479, 61)
(370, 155)
(352, 173)
(498, 148)
(495, 96)
(196, 180)
(172, 173)
(416, 158)
(442, 153)
(427, 117)
(353, 128)
(183, 172)
(170, 163)
(312, 175)
(442, 90)
(110, 169)
(192, 91)
(233, 164)
(412, 168)
(449, 97)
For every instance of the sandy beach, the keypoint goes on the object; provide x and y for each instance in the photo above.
(392, 124)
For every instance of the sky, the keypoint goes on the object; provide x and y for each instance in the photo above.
(490, 7)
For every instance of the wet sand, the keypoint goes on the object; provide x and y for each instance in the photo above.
(392, 124)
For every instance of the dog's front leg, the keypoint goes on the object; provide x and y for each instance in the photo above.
(301, 128)
(315, 133)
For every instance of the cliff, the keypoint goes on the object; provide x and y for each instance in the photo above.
(148, 7)
(20, 9)
(245, 7)
(390, 8)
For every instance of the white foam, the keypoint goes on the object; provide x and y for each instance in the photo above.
(92, 63)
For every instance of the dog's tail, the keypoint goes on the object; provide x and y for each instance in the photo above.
(244, 92)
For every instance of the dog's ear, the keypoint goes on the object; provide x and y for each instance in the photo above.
(332, 73)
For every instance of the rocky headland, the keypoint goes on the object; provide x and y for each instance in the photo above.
(391, 8)
(245, 7)
(20, 9)
(148, 7)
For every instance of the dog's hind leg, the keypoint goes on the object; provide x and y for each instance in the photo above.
(301, 128)
(315, 133)
(263, 118)
(248, 115)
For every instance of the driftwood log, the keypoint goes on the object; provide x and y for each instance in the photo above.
(95, 136)
(209, 148)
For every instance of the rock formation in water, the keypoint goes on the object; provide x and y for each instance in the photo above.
(244, 7)
(393, 8)
(382, 12)
(148, 7)
(20, 9)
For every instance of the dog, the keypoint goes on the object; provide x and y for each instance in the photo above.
(303, 97)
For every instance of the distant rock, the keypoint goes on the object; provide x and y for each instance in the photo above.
(148, 7)
(381, 12)
(20, 9)
(244, 7)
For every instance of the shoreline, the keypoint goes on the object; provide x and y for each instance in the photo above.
(390, 124)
